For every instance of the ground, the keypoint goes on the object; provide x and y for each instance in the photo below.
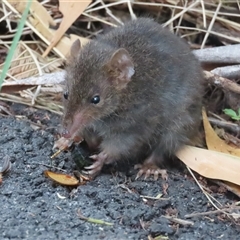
(33, 207)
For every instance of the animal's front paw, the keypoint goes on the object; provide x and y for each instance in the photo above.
(147, 171)
(94, 169)
(149, 168)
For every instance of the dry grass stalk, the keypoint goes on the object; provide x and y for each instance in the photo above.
(189, 19)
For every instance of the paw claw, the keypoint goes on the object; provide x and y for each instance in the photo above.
(94, 157)
(139, 174)
(95, 168)
(94, 165)
(147, 174)
(155, 175)
(153, 170)
(85, 172)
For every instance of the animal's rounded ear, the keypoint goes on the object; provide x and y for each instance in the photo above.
(120, 68)
(75, 48)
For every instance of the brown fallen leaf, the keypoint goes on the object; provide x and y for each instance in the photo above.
(71, 11)
(214, 142)
(62, 179)
(211, 164)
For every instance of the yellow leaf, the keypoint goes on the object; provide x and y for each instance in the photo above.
(211, 164)
(214, 142)
(63, 179)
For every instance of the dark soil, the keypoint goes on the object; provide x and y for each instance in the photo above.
(33, 207)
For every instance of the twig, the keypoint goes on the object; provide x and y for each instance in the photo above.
(179, 221)
(208, 196)
(93, 220)
(225, 54)
(211, 24)
(221, 82)
(223, 210)
(233, 127)
(231, 72)
(49, 166)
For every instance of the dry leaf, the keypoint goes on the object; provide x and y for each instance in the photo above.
(217, 164)
(27, 62)
(62, 179)
(211, 164)
(214, 142)
(217, 144)
(71, 11)
(39, 21)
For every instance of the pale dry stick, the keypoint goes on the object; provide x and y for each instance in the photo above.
(16, 76)
(106, 5)
(158, 5)
(233, 127)
(5, 16)
(210, 13)
(89, 25)
(10, 42)
(98, 19)
(25, 31)
(109, 12)
(56, 60)
(189, 34)
(50, 166)
(211, 24)
(208, 196)
(216, 116)
(234, 39)
(231, 72)
(170, 27)
(204, 14)
(132, 14)
(32, 28)
(9, 75)
(93, 4)
(212, 212)
(15, 99)
(181, 13)
(44, 2)
(7, 20)
(48, 78)
(207, 12)
(36, 94)
(19, 58)
(180, 19)
(33, 57)
(179, 221)
(233, 25)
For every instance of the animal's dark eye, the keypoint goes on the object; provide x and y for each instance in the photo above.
(65, 95)
(95, 99)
